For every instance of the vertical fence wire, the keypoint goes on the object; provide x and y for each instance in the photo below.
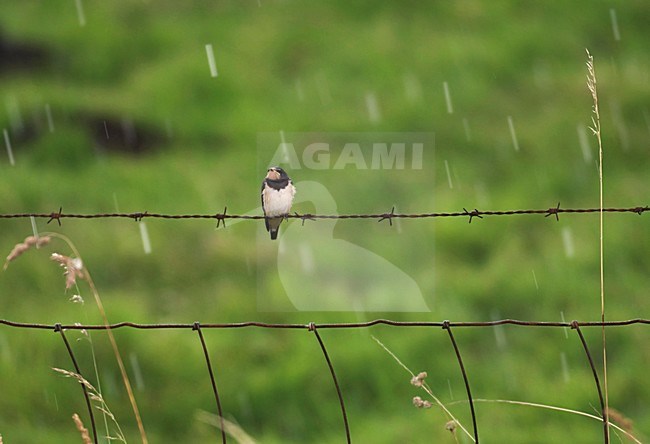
(605, 414)
(446, 326)
(312, 327)
(59, 329)
(197, 327)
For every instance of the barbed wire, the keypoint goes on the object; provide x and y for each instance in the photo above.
(313, 327)
(222, 217)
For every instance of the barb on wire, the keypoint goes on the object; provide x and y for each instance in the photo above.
(446, 326)
(304, 217)
(139, 216)
(555, 211)
(59, 329)
(605, 414)
(197, 328)
(56, 216)
(388, 216)
(221, 217)
(312, 327)
(471, 214)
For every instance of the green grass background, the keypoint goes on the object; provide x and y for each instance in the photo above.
(145, 61)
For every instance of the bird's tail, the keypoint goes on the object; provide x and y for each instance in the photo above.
(274, 233)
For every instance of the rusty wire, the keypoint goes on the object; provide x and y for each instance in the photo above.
(313, 327)
(222, 217)
(446, 326)
(603, 409)
(59, 329)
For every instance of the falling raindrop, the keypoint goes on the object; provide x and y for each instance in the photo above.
(15, 118)
(144, 234)
(612, 15)
(450, 108)
(451, 394)
(117, 207)
(468, 134)
(48, 116)
(137, 371)
(513, 134)
(482, 196)
(285, 150)
(454, 173)
(583, 137)
(566, 330)
(619, 124)
(306, 258)
(300, 91)
(211, 61)
(499, 332)
(565, 367)
(373, 108)
(5, 351)
(106, 130)
(412, 88)
(10, 152)
(34, 229)
(169, 129)
(130, 136)
(541, 74)
(80, 13)
(535, 280)
(646, 117)
(567, 240)
(249, 269)
(323, 89)
(451, 184)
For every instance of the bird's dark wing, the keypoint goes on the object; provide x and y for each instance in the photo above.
(266, 221)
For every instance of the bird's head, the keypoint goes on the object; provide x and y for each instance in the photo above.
(276, 173)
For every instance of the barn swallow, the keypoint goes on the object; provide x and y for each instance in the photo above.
(277, 196)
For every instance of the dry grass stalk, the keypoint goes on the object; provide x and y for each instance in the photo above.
(231, 428)
(96, 397)
(73, 266)
(425, 387)
(421, 403)
(623, 421)
(418, 380)
(74, 269)
(22, 247)
(85, 437)
(558, 409)
(595, 128)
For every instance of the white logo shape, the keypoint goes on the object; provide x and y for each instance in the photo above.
(321, 273)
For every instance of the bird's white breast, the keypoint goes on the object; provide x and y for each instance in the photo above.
(278, 202)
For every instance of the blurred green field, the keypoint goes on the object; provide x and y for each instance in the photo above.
(311, 67)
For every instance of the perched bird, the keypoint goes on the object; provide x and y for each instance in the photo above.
(277, 196)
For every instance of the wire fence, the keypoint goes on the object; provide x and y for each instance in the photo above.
(222, 217)
(446, 325)
(314, 328)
